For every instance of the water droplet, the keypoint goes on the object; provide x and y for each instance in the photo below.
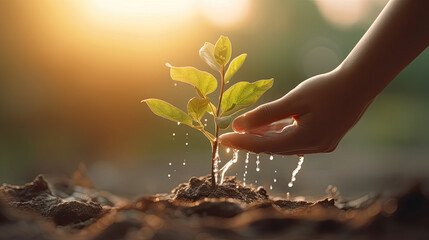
(256, 181)
(290, 184)
(187, 134)
(205, 120)
(174, 170)
(275, 179)
(257, 163)
(271, 187)
(175, 84)
(205, 124)
(186, 144)
(246, 161)
(169, 175)
(275, 171)
(228, 150)
(169, 164)
(184, 164)
(287, 195)
(178, 123)
(174, 134)
(271, 157)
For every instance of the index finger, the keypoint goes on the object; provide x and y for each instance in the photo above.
(286, 142)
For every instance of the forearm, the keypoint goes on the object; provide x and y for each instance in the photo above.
(398, 35)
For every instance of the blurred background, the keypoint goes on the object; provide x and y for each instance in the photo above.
(72, 74)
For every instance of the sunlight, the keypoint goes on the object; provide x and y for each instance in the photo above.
(224, 12)
(165, 13)
(344, 13)
(151, 13)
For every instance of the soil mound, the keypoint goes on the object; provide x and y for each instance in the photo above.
(73, 209)
(199, 188)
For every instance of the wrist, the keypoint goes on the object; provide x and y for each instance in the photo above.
(357, 85)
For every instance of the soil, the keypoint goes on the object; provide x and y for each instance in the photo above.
(74, 209)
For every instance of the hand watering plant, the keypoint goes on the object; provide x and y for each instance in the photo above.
(239, 96)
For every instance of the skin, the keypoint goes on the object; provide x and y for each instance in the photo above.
(325, 107)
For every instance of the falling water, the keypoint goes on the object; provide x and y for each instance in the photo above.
(225, 168)
(257, 163)
(184, 162)
(293, 179)
(271, 157)
(216, 164)
(245, 168)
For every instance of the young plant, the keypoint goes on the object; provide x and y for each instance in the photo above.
(238, 97)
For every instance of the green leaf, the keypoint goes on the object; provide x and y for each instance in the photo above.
(222, 51)
(204, 81)
(243, 94)
(197, 107)
(223, 122)
(234, 66)
(210, 109)
(207, 54)
(168, 111)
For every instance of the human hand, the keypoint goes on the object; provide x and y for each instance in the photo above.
(323, 108)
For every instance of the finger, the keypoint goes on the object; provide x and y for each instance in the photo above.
(273, 127)
(266, 114)
(268, 143)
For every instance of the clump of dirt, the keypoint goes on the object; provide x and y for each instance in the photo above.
(199, 188)
(36, 196)
(61, 201)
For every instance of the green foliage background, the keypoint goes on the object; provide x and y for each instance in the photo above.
(70, 93)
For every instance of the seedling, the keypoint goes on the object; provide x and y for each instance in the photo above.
(238, 97)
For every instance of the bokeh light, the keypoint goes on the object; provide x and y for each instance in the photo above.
(225, 12)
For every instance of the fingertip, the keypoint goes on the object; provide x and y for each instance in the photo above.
(223, 138)
(239, 124)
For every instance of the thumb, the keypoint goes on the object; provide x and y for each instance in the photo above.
(266, 114)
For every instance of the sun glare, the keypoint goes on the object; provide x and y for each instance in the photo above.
(167, 13)
(151, 13)
(224, 12)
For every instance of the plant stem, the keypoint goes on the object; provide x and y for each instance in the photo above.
(215, 144)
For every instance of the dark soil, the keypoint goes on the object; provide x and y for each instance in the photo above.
(199, 188)
(74, 209)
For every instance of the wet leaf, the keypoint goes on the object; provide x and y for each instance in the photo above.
(204, 81)
(235, 64)
(168, 111)
(222, 51)
(207, 54)
(243, 94)
(197, 107)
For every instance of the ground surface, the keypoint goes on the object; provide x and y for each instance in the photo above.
(74, 209)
